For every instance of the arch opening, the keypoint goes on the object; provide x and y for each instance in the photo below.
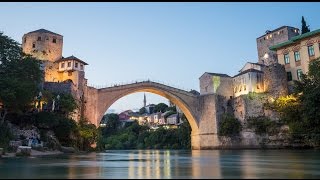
(107, 101)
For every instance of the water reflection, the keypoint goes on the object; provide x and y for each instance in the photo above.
(157, 164)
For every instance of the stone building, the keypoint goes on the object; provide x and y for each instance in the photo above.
(296, 53)
(61, 75)
(249, 79)
(216, 83)
(270, 38)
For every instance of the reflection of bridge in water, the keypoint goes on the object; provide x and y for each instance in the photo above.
(200, 110)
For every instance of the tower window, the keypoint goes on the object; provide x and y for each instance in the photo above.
(39, 38)
(81, 66)
(76, 65)
(69, 64)
(33, 45)
(54, 40)
(62, 65)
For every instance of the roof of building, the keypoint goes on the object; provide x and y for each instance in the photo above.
(250, 63)
(277, 30)
(295, 39)
(248, 70)
(71, 58)
(43, 31)
(216, 74)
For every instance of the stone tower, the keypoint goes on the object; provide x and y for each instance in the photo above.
(43, 44)
(270, 38)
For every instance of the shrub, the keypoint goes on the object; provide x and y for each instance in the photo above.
(261, 125)
(229, 126)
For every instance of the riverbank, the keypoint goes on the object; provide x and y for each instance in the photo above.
(35, 153)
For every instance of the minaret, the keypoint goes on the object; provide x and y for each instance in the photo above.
(144, 100)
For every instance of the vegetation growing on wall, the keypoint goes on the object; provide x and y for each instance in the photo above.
(301, 110)
(229, 126)
(262, 125)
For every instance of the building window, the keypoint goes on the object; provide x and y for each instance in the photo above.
(33, 45)
(299, 74)
(62, 65)
(81, 66)
(76, 65)
(69, 64)
(54, 40)
(289, 76)
(25, 40)
(69, 73)
(39, 38)
(311, 50)
(286, 58)
(297, 56)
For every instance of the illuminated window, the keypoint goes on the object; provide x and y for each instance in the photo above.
(76, 65)
(54, 40)
(62, 65)
(39, 38)
(311, 50)
(286, 58)
(289, 76)
(299, 74)
(69, 64)
(297, 56)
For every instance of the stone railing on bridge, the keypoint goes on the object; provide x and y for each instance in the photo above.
(121, 85)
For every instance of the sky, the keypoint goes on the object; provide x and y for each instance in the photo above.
(172, 43)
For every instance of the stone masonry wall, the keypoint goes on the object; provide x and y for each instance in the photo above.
(275, 80)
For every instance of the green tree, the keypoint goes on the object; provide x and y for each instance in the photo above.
(142, 110)
(161, 107)
(88, 134)
(171, 108)
(67, 104)
(20, 77)
(229, 126)
(304, 28)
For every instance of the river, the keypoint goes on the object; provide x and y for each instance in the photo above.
(156, 164)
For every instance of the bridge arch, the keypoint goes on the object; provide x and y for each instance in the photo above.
(186, 101)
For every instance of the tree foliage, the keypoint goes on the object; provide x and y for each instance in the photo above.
(304, 27)
(134, 136)
(229, 126)
(161, 107)
(301, 110)
(20, 77)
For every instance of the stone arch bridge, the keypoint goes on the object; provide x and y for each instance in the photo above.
(202, 111)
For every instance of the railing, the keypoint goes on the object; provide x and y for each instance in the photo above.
(135, 82)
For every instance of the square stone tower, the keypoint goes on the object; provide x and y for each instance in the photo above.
(270, 38)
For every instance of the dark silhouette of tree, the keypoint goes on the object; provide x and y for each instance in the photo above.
(304, 28)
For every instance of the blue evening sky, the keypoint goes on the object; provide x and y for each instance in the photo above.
(173, 43)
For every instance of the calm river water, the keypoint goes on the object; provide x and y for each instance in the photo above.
(168, 164)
